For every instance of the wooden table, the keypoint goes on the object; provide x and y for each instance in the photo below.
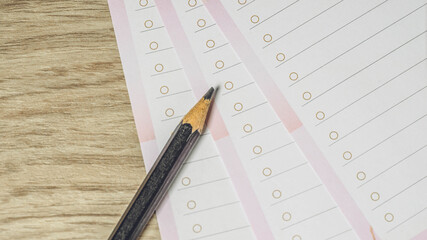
(70, 159)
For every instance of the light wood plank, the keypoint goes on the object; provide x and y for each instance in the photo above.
(70, 160)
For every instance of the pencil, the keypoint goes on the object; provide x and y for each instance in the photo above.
(158, 180)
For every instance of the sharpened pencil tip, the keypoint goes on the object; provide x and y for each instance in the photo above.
(196, 117)
(209, 94)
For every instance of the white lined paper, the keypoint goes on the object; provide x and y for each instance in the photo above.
(202, 193)
(360, 92)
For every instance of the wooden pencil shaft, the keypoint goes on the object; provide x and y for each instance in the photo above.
(163, 172)
(156, 184)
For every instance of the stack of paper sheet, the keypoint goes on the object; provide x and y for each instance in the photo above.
(319, 129)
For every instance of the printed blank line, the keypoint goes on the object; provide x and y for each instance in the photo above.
(201, 159)
(235, 89)
(261, 129)
(287, 170)
(330, 34)
(191, 9)
(139, 9)
(305, 219)
(167, 119)
(204, 28)
(210, 50)
(201, 184)
(398, 225)
(207, 209)
(364, 68)
(353, 47)
(245, 5)
(281, 10)
(227, 68)
(385, 111)
(165, 72)
(248, 109)
(381, 142)
(226, 231)
(273, 150)
(297, 194)
(397, 194)
(302, 24)
(172, 94)
(339, 234)
(348, 50)
(397, 163)
(151, 29)
(159, 50)
(380, 86)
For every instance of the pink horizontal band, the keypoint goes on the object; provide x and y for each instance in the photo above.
(421, 236)
(140, 109)
(290, 119)
(225, 145)
(255, 67)
(334, 185)
(244, 189)
(191, 66)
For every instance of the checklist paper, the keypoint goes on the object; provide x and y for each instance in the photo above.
(201, 204)
(287, 200)
(354, 73)
(318, 129)
(281, 194)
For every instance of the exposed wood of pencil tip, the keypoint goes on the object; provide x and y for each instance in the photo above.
(196, 117)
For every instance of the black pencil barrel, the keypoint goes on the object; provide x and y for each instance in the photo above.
(163, 172)
(156, 184)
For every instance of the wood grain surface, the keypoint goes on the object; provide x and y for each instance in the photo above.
(70, 160)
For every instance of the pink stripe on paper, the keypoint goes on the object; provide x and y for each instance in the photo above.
(225, 146)
(255, 67)
(421, 236)
(135, 88)
(244, 189)
(140, 108)
(290, 119)
(334, 185)
(191, 67)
